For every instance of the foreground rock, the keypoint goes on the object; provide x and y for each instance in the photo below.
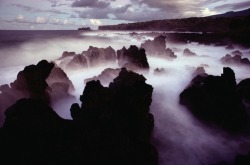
(214, 99)
(132, 58)
(41, 82)
(112, 126)
(157, 47)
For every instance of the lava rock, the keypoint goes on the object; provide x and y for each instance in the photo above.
(236, 60)
(97, 56)
(132, 58)
(120, 114)
(160, 71)
(34, 134)
(215, 100)
(106, 76)
(77, 62)
(188, 52)
(112, 126)
(199, 71)
(157, 47)
(60, 85)
(237, 52)
(42, 82)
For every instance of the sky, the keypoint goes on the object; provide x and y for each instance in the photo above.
(72, 14)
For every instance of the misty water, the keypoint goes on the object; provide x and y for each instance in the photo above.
(178, 136)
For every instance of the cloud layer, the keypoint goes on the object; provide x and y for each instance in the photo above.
(108, 11)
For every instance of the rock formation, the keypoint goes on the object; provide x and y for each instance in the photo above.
(59, 83)
(97, 56)
(237, 52)
(236, 60)
(199, 71)
(77, 62)
(106, 76)
(132, 58)
(42, 82)
(188, 52)
(112, 126)
(214, 99)
(157, 47)
(90, 58)
(160, 71)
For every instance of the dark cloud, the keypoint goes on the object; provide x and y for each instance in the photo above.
(103, 13)
(234, 6)
(35, 10)
(91, 3)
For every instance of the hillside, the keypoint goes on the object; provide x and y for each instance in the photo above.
(218, 23)
(233, 14)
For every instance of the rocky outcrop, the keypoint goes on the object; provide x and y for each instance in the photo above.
(42, 82)
(112, 126)
(34, 134)
(68, 54)
(97, 56)
(157, 47)
(120, 111)
(59, 83)
(199, 71)
(244, 89)
(132, 58)
(214, 99)
(237, 52)
(90, 58)
(77, 62)
(236, 60)
(160, 71)
(106, 76)
(188, 52)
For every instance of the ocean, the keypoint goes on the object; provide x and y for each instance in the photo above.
(179, 137)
